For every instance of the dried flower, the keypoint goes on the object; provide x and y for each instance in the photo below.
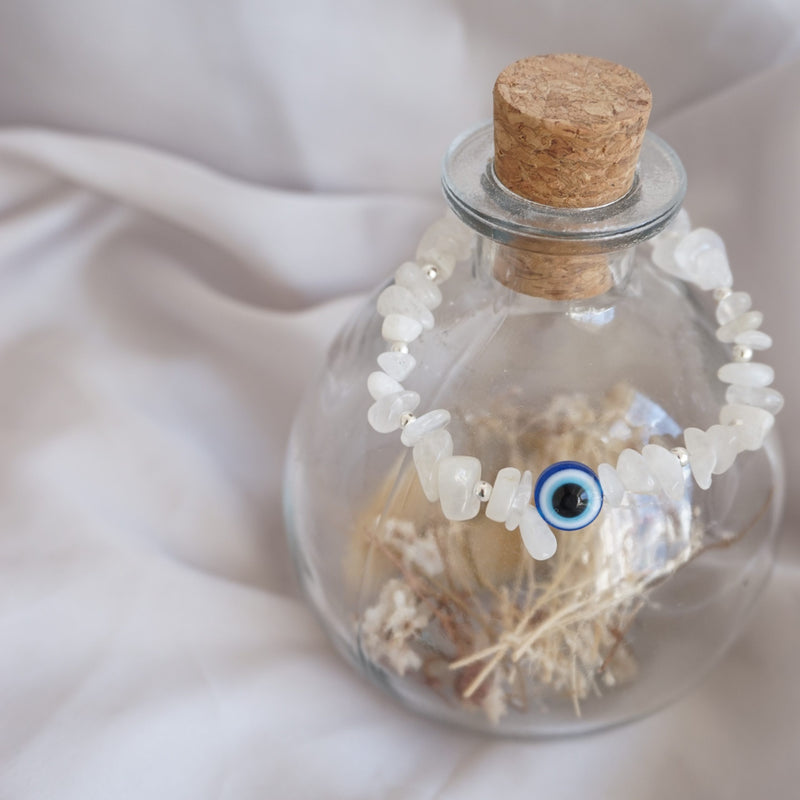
(415, 548)
(391, 624)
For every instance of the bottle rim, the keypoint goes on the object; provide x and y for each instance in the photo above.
(482, 202)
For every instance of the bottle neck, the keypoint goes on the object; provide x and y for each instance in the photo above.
(587, 277)
(560, 253)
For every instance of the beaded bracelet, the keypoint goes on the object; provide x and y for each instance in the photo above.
(568, 495)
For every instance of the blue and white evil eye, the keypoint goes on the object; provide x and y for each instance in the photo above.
(568, 495)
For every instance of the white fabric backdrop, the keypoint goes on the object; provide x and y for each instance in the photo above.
(190, 192)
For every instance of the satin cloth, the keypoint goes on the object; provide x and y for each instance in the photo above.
(193, 198)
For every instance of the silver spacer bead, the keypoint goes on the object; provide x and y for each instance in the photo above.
(741, 352)
(483, 490)
(721, 293)
(431, 272)
(682, 454)
(399, 347)
(405, 418)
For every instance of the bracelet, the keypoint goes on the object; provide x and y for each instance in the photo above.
(568, 495)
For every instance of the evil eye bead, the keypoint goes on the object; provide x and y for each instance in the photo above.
(568, 495)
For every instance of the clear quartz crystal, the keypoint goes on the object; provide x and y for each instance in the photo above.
(503, 492)
(384, 414)
(760, 396)
(746, 374)
(379, 384)
(522, 497)
(536, 535)
(411, 276)
(415, 430)
(755, 340)
(733, 306)
(634, 472)
(428, 452)
(748, 321)
(702, 455)
(397, 365)
(399, 300)
(457, 478)
(400, 328)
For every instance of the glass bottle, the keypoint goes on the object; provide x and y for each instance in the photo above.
(455, 618)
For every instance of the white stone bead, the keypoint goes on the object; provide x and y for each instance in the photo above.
(522, 497)
(734, 305)
(442, 245)
(759, 396)
(666, 469)
(725, 441)
(432, 421)
(427, 453)
(399, 300)
(755, 340)
(503, 491)
(411, 276)
(384, 414)
(700, 257)
(701, 455)
(613, 490)
(537, 537)
(664, 243)
(634, 473)
(744, 322)
(400, 328)
(746, 373)
(752, 424)
(677, 228)
(457, 478)
(461, 233)
(397, 365)
(379, 384)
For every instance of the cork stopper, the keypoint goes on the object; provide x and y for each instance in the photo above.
(567, 134)
(568, 129)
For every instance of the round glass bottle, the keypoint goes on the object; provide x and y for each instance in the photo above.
(454, 616)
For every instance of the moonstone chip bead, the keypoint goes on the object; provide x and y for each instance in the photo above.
(732, 306)
(412, 277)
(443, 244)
(700, 257)
(399, 300)
(427, 453)
(503, 491)
(746, 373)
(417, 428)
(400, 328)
(751, 424)
(537, 537)
(379, 384)
(702, 455)
(664, 243)
(725, 441)
(522, 497)
(397, 365)
(760, 396)
(384, 414)
(613, 489)
(634, 473)
(755, 340)
(457, 478)
(666, 469)
(744, 322)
